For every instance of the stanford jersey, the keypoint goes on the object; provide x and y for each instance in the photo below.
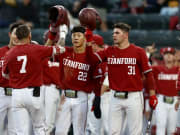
(76, 70)
(51, 72)
(166, 80)
(125, 67)
(23, 63)
(3, 82)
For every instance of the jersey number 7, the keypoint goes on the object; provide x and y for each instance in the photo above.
(23, 67)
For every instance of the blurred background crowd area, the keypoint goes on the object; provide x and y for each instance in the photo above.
(152, 21)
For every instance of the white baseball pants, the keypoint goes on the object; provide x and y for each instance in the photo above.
(93, 124)
(98, 126)
(166, 117)
(178, 119)
(51, 102)
(74, 110)
(131, 108)
(6, 127)
(23, 101)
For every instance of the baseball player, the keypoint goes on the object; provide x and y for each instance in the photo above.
(51, 68)
(23, 67)
(5, 90)
(76, 69)
(51, 92)
(94, 125)
(155, 59)
(126, 63)
(166, 77)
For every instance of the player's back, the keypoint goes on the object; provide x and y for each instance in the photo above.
(24, 65)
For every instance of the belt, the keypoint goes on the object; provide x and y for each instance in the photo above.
(8, 91)
(36, 91)
(70, 93)
(169, 100)
(121, 94)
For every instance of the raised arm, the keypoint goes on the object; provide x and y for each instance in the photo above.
(59, 23)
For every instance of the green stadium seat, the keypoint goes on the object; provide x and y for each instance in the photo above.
(160, 37)
(140, 37)
(141, 21)
(44, 22)
(37, 35)
(126, 18)
(46, 4)
(4, 36)
(146, 37)
(153, 21)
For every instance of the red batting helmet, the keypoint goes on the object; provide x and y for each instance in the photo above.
(89, 18)
(58, 15)
(167, 50)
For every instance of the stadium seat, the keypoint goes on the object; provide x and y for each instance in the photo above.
(4, 36)
(154, 21)
(146, 37)
(126, 18)
(44, 22)
(37, 35)
(142, 38)
(45, 4)
(141, 21)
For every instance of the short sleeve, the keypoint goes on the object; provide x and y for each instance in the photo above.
(44, 51)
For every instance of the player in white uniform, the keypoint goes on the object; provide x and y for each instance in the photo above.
(126, 63)
(166, 80)
(76, 70)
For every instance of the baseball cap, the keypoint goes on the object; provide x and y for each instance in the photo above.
(98, 39)
(167, 50)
